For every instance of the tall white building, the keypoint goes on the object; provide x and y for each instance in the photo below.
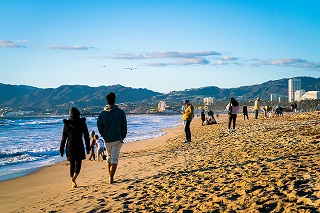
(294, 84)
(274, 97)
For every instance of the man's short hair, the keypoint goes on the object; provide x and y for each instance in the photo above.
(111, 98)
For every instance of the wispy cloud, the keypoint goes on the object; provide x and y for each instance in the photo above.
(11, 44)
(181, 58)
(227, 60)
(166, 54)
(72, 47)
(289, 62)
(183, 62)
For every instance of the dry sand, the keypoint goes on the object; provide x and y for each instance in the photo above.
(267, 165)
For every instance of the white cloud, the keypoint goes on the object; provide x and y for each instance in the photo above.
(166, 54)
(11, 44)
(289, 62)
(184, 62)
(72, 47)
(229, 58)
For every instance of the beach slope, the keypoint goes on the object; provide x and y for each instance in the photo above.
(266, 165)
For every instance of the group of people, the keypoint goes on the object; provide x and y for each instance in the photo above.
(112, 126)
(99, 144)
(233, 110)
(208, 119)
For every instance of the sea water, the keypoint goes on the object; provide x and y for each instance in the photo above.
(29, 143)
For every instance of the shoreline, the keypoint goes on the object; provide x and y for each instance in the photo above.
(22, 169)
(266, 165)
(55, 177)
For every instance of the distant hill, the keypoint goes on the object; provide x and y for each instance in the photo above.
(55, 100)
(35, 99)
(263, 91)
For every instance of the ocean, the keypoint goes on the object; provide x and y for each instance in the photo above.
(29, 143)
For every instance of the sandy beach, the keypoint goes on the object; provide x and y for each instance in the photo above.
(266, 165)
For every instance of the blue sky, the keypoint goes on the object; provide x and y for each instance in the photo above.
(174, 45)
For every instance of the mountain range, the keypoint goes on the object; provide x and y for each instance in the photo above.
(52, 99)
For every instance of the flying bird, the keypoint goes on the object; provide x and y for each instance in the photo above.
(104, 66)
(130, 68)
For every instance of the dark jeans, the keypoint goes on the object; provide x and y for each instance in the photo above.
(187, 130)
(75, 167)
(245, 115)
(233, 118)
(256, 114)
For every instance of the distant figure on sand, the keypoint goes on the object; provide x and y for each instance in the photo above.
(233, 108)
(187, 118)
(73, 130)
(256, 108)
(100, 146)
(112, 125)
(203, 117)
(92, 145)
(210, 113)
(210, 121)
(245, 112)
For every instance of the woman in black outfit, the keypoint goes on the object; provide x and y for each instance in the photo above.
(73, 130)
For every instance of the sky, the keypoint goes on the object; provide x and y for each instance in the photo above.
(171, 45)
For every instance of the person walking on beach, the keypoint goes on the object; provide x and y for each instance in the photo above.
(187, 118)
(92, 145)
(73, 130)
(245, 112)
(100, 146)
(233, 107)
(256, 108)
(112, 125)
(203, 117)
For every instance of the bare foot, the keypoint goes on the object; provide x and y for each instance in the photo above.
(111, 180)
(74, 184)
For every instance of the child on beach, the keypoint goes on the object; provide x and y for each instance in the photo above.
(100, 146)
(92, 145)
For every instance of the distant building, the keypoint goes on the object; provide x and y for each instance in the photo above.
(208, 101)
(311, 95)
(274, 97)
(294, 84)
(298, 94)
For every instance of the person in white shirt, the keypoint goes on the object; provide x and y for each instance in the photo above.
(100, 146)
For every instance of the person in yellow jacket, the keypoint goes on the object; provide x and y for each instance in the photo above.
(187, 118)
(256, 108)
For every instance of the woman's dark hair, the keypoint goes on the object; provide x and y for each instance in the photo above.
(234, 102)
(111, 98)
(74, 113)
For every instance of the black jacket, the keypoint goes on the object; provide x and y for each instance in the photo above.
(72, 134)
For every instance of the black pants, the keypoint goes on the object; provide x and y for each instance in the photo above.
(187, 130)
(245, 115)
(233, 118)
(75, 167)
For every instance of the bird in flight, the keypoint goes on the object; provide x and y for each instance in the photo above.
(104, 66)
(130, 68)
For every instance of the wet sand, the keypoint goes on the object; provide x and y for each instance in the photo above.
(266, 165)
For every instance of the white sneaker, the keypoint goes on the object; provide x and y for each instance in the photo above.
(228, 130)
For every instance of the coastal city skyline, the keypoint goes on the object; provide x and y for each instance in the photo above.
(158, 45)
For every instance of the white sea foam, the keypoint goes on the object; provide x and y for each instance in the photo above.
(31, 143)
